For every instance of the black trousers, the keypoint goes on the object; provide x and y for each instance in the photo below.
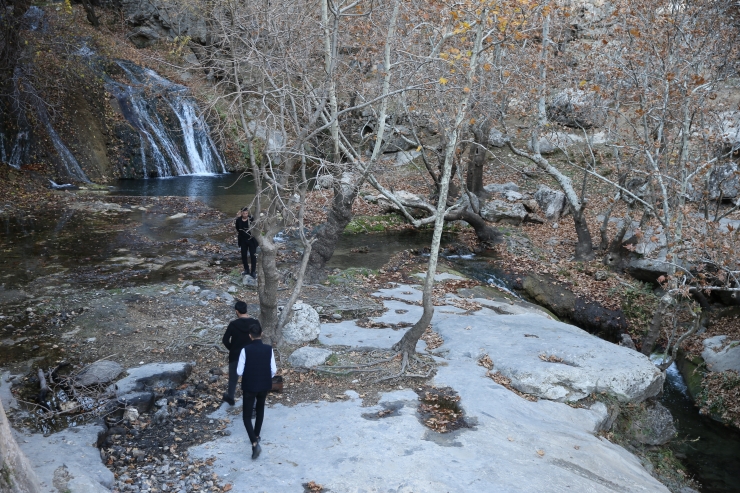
(233, 378)
(249, 404)
(249, 253)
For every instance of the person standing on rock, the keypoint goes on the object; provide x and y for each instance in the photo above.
(235, 338)
(247, 242)
(256, 367)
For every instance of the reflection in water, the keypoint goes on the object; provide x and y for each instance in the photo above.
(222, 192)
(711, 450)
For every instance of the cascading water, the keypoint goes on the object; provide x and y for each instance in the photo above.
(71, 166)
(186, 149)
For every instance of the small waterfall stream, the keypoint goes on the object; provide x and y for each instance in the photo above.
(167, 149)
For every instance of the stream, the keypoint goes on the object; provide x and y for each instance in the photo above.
(35, 247)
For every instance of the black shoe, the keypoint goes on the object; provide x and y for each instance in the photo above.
(256, 450)
(228, 400)
(245, 273)
(259, 439)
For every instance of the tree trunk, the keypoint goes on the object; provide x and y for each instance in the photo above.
(326, 239)
(90, 10)
(474, 175)
(584, 246)
(407, 344)
(484, 231)
(648, 343)
(267, 290)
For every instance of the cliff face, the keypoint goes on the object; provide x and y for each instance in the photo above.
(74, 110)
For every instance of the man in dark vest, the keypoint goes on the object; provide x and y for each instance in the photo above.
(235, 338)
(257, 367)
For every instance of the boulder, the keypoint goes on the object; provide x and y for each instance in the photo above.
(647, 270)
(249, 281)
(498, 211)
(724, 182)
(100, 372)
(551, 202)
(325, 181)
(496, 138)
(168, 375)
(501, 188)
(578, 109)
(721, 355)
(408, 199)
(513, 196)
(308, 357)
(726, 130)
(140, 401)
(303, 326)
(143, 36)
(547, 146)
(166, 20)
(654, 426)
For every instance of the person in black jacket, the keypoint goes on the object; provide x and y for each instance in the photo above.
(235, 338)
(247, 242)
(257, 367)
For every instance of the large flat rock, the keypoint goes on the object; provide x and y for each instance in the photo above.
(517, 345)
(73, 447)
(512, 445)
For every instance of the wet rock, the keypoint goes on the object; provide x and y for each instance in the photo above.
(303, 326)
(654, 426)
(168, 375)
(551, 202)
(721, 355)
(100, 372)
(498, 211)
(308, 357)
(563, 303)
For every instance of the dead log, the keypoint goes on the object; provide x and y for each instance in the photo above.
(44, 387)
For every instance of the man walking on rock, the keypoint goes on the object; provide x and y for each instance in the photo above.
(257, 367)
(235, 338)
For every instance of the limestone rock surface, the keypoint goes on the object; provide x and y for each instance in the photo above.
(721, 355)
(303, 326)
(498, 211)
(552, 202)
(308, 357)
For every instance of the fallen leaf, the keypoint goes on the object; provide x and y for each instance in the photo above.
(541, 453)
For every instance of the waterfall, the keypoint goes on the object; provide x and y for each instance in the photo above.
(184, 148)
(67, 159)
